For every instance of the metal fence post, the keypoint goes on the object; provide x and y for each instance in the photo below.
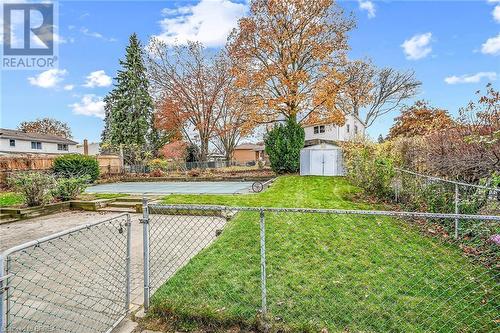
(457, 211)
(2, 277)
(128, 272)
(263, 263)
(145, 235)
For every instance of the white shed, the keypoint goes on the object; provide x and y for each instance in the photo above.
(321, 160)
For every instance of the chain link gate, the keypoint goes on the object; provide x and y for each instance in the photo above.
(77, 280)
(315, 269)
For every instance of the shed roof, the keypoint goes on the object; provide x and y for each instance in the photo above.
(322, 146)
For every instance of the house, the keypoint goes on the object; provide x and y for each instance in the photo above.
(18, 142)
(330, 133)
(249, 153)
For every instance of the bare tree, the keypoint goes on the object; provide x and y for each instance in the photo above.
(187, 85)
(377, 91)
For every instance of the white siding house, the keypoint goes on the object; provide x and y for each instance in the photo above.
(321, 155)
(330, 133)
(18, 142)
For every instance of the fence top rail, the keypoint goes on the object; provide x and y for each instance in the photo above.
(448, 181)
(157, 207)
(41, 240)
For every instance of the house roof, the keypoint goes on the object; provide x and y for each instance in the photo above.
(20, 135)
(250, 146)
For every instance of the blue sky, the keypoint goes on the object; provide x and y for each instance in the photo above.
(453, 46)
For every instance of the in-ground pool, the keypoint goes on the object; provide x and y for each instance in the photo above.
(221, 187)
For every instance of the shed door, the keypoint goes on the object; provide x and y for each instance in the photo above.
(330, 161)
(323, 162)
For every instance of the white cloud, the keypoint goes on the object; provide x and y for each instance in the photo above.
(49, 78)
(471, 78)
(209, 22)
(496, 13)
(90, 105)
(368, 6)
(69, 87)
(98, 79)
(418, 46)
(97, 35)
(491, 46)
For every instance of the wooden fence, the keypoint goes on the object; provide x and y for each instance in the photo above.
(108, 164)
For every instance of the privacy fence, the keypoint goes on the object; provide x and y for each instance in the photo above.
(74, 281)
(314, 269)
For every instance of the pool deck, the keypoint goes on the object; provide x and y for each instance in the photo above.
(205, 187)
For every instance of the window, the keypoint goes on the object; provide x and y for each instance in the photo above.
(348, 128)
(12, 142)
(319, 129)
(62, 146)
(36, 145)
(355, 129)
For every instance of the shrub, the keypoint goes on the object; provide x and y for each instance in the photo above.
(283, 145)
(69, 188)
(75, 165)
(369, 168)
(36, 187)
(158, 164)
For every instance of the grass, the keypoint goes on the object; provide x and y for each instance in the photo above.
(343, 273)
(10, 199)
(287, 191)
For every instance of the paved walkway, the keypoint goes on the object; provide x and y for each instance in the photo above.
(20, 232)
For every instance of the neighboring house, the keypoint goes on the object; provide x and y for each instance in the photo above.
(18, 142)
(330, 133)
(249, 152)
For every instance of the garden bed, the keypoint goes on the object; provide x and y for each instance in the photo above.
(195, 175)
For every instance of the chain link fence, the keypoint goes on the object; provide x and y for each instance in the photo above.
(74, 281)
(418, 192)
(323, 270)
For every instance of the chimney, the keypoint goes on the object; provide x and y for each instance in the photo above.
(85, 147)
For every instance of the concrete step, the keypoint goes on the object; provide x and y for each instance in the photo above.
(117, 209)
(122, 204)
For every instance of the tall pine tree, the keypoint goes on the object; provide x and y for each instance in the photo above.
(129, 119)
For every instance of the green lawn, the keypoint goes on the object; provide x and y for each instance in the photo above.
(287, 191)
(10, 199)
(343, 273)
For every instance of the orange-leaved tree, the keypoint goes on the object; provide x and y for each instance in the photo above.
(287, 56)
(420, 119)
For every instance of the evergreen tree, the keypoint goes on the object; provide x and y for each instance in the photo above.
(129, 120)
(283, 145)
